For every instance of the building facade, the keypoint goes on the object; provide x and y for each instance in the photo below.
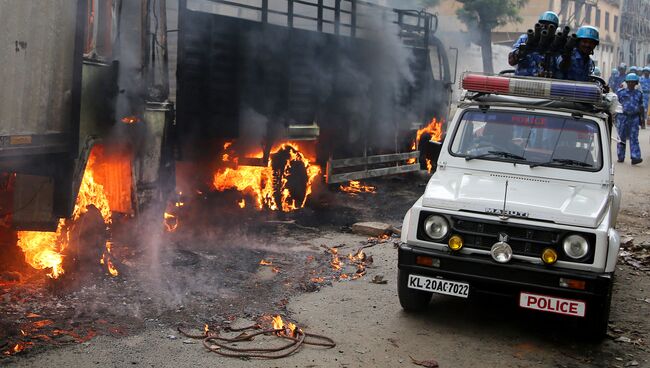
(635, 32)
(603, 14)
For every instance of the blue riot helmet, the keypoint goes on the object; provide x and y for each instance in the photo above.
(549, 17)
(615, 72)
(588, 32)
(633, 69)
(596, 71)
(632, 77)
(622, 67)
(646, 69)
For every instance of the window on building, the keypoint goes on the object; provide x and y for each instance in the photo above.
(597, 21)
(615, 29)
(607, 21)
(588, 14)
(564, 9)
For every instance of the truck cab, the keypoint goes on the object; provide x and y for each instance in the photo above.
(523, 203)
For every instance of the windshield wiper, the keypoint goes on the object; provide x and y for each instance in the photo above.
(563, 162)
(496, 153)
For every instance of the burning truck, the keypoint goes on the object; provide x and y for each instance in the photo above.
(108, 104)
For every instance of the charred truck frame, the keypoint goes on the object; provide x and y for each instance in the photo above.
(107, 72)
(317, 70)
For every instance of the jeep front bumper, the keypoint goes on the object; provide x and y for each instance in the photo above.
(509, 280)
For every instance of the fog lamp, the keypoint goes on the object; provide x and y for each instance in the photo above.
(549, 256)
(455, 243)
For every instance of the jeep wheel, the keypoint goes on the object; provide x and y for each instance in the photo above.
(410, 299)
(595, 326)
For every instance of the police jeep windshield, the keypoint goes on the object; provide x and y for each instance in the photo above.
(530, 139)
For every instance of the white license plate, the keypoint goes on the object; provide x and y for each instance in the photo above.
(552, 304)
(440, 286)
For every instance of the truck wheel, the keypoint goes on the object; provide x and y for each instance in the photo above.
(411, 300)
(429, 151)
(88, 237)
(293, 178)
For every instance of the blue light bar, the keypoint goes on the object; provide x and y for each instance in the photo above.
(576, 92)
(551, 89)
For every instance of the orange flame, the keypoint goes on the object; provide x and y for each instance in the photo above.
(109, 264)
(170, 222)
(262, 183)
(278, 323)
(17, 348)
(335, 262)
(265, 262)
(317, 280)
(242, 203)
(360, 256)
(429, 166)
(111, 269)
(43, 250)
(355, 187)
(434, 128)
(281, 328)
(130, 120)
(206, 329)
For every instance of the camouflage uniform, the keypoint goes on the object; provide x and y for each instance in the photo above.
(627, 122)
(613, 79)
(529, 65)
(580, 68)
(644, 83)
(618, 82)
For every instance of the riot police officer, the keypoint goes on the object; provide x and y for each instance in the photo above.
(644, 83)
(628, 122)
(613, 79)
(529, 64)
(622, 72)
(578, 65)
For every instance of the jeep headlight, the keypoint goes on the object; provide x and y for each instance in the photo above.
(436, 227)
(575, 246)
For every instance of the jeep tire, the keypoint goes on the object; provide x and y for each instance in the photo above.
(411, 300)
(595, 326)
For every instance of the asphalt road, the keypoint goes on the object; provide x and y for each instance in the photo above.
(371, 330)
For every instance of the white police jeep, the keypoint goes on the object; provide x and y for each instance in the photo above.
(522, 204)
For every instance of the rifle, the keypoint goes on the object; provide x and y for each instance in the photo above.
(560, 39)
(549, 41)
(532, 42)
(546, 39)
(566, 53)
(549, 44)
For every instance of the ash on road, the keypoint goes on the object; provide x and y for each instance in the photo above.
(214, 276)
